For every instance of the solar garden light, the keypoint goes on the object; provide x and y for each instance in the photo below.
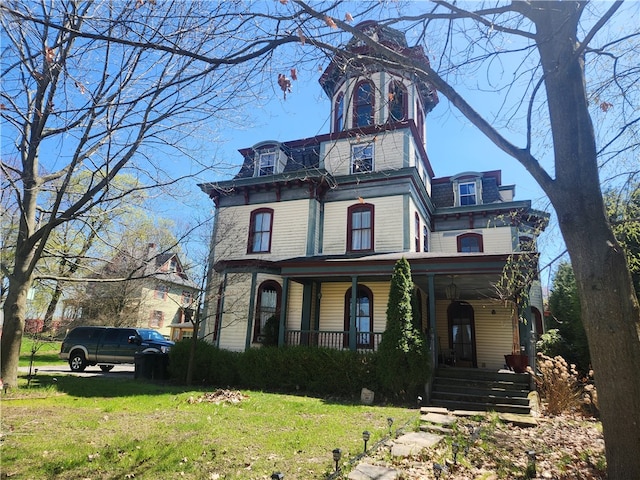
(337, 454)
(531, 466)
(366, 436)
(455, 448)
(277, 476)
(390, 422)
(437, 469)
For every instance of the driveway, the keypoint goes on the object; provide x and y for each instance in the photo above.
(121, 371)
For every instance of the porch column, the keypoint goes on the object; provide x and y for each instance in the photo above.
(252, 307)
(352, 320)
(283, 311)
(433, 338)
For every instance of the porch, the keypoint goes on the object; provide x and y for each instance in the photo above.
(337, 340)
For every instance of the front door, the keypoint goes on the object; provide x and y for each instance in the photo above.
(462, 337)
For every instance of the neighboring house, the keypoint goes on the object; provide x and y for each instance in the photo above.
(160, 295)
(168, 296)
(310, 230)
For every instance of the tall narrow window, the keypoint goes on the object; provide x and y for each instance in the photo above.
(425, 238)
(470, 242)
(467, 193)
(363, 104)
(338, 119)
(397, 101)
(420, 119)
(260, 230)
(218, 317)
(362, 159)
(417, 231)
(360, 228)
(363, 319)
(269, 295)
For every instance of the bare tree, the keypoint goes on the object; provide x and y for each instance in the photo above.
(103, 88)
(565, 69)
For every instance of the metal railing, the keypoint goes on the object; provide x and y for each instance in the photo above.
(337, 340)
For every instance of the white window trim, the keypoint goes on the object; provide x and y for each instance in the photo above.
(354, 159)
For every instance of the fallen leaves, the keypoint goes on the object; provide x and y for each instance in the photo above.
(219, 396)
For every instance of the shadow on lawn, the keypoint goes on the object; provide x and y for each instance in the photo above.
(111, 384)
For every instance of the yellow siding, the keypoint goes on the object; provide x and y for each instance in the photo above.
(388, 225)
(495, 240)
(493, 331)
(388, 152)
(294, 309)
(233, 331)
(332, 305)
(289, 235)
(169, 306)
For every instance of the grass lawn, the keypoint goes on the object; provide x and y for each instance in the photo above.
(45, 352)
(105, 428)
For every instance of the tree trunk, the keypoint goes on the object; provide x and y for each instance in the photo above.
(51, 308)
(609, 305)
(15, 306)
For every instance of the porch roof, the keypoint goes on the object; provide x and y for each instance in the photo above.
(474, 274)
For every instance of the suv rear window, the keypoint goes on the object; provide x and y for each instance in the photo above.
(84, 333)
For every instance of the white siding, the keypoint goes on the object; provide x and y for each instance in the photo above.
(388, 226)
(289, 230)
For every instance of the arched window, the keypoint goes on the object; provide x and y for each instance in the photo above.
(338, 113)
(360, 222)
(363, 104)
(397, 101)
(268, 305)
(470, 242)
(417, 232)
(260, 227)
(364, 317)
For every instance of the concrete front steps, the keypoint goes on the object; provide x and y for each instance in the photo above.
(484, 390)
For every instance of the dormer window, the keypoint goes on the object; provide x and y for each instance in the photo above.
(467, 193)
(362, 159)
(267, 162)
(363, 104)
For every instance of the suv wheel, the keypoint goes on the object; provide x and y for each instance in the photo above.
(77, 362)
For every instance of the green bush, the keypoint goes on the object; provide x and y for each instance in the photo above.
(212, 366)
(403, 368)
(316, 371)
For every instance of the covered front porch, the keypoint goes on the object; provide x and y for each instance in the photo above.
(465, 322)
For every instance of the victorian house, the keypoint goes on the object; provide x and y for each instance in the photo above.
(309, 230)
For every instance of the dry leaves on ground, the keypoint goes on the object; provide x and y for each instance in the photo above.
(219, 396)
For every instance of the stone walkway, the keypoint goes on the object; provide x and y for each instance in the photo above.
(435, 424)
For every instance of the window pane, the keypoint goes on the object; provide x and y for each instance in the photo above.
(467, 193)
(261, 232)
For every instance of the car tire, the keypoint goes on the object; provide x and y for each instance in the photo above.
(106, 368)
(77, 362)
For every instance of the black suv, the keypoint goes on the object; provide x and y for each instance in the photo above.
(107, 346)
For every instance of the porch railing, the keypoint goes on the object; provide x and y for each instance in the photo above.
(338, 340)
